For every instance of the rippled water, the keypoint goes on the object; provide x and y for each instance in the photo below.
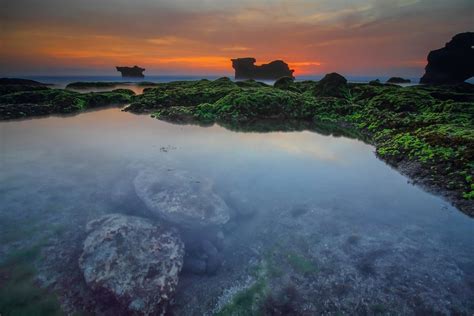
(373, 237)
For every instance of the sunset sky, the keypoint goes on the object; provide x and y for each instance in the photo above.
(357, 37)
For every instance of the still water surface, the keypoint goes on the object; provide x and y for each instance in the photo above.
(374, 238)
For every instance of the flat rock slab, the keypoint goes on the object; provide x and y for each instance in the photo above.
(132, 260)
(179, 197)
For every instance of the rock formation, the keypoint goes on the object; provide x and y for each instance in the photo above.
(398, 80)
(131, 72)
(284, 83)
(332, 85)
(132, 261)
(453, 63)
(245, 68)
(179, 197)
(17, 81)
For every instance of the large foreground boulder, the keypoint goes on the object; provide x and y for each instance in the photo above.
(133, 261)
(179, 197)
(453, 63)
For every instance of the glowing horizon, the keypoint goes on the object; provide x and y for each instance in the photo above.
(359, 37)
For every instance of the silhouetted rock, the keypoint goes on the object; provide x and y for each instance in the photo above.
(17, 81)
(132, 260)
(452, 64)
(132, 72)
(332, 85)
(398, 80)
(375, 82)
(245, 68)
(81, 85)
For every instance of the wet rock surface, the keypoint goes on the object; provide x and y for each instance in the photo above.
(181, 198)
(133, 261)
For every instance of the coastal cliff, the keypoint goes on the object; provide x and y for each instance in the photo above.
(453, 63)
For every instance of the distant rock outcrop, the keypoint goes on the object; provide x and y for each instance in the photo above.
(245, 68)
(398, 80)
(453, 63)
(131, 72)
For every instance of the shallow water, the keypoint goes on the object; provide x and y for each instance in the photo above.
(373, 238)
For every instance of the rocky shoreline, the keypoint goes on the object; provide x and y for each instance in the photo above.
(20, 99)
(228, 258)
(429, 128)
(426, 132)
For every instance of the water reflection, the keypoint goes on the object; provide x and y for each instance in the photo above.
(321, 210)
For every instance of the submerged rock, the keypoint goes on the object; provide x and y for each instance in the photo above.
(133, 261)
(332, 85)
(245, 68)
(181, 198)
(194, 265)
(453, 63)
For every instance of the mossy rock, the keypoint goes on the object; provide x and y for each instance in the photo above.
(332, 85)
(284, 83)
(182, 93)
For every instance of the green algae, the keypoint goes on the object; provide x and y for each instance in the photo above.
(432, 126)
(301, 264)
(37, 102)
(246, 302)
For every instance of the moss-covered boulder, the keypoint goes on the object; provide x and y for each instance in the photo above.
(255, 104)
(332, 85)
(284, 83)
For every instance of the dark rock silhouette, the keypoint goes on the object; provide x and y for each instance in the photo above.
(375, 82)
(245, 68)
(398, 80)
(133, 72)
(332, 85)
(453, 63)
(17, 81)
